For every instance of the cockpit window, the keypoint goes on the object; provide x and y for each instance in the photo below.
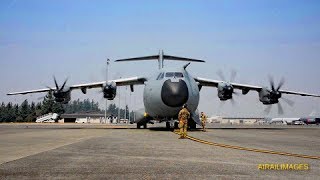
(178, 75)
(160, 76)
(169, 74)
(174, 74)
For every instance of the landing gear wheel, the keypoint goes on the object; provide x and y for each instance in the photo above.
(145, 125)
(168, 125)
(192, 124)
(176, 125)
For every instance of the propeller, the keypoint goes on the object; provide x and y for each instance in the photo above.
(59, 89)
(276, 94)
(233, 75)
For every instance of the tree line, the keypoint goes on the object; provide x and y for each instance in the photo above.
(28, 112)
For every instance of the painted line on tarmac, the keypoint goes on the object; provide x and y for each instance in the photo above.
(250, 149)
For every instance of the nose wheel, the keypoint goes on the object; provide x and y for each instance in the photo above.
(142, 124)
(168, 126)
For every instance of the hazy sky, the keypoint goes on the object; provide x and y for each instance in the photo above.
(39, 39)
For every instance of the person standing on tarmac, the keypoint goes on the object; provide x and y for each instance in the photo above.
(203, 121)
(183, 116)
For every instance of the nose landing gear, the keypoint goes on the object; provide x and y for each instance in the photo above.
(141, 124)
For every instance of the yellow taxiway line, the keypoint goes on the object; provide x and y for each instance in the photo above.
(250, 149)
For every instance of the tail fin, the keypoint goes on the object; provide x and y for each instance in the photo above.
(161, 57)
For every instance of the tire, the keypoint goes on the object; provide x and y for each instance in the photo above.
(176, 125)
(192, 124)
(168, 125)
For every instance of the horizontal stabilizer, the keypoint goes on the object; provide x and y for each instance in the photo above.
(167, 57)
(161, 57)
(157, 57)
(139, 58)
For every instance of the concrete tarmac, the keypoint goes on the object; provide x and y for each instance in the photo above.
(87, 151)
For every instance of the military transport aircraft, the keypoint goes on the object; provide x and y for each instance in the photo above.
(166, 91)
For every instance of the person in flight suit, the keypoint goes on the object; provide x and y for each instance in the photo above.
(183, 116)
(203, 121)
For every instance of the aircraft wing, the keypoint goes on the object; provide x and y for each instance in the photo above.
(119, 82)
(31, 91)
(214, 83)
(298, 93)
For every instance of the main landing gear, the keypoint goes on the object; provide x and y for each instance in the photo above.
(192, 124)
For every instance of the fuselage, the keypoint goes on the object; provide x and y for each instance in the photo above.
(166, 92)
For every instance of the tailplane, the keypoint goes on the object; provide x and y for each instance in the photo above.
(161, 57)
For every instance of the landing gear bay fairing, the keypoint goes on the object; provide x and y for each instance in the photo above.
(165, 92)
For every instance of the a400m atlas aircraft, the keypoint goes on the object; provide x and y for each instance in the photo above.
(166, 91)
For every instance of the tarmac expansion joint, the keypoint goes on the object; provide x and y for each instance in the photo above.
(249, 149)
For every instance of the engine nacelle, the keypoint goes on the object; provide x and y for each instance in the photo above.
(268, 97)
(62, 96)
(225, 91)
(110, 90)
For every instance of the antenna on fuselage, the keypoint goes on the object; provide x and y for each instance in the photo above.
(161, 57)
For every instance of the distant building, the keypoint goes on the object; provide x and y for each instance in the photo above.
(214, 119)
(87, 118)
(242, 120)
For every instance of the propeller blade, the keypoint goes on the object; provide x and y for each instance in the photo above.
(233, 102)
(221, 104)
(288, 101)
(271, 83)
(220, 74)
(267, 109)
(282, 81)
(280, 109)
(41, 98)
(64, 84)
(49, 88)
(233, 75)
(99, 91)
(55, 82)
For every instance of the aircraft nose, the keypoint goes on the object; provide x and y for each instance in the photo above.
(174, 94)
